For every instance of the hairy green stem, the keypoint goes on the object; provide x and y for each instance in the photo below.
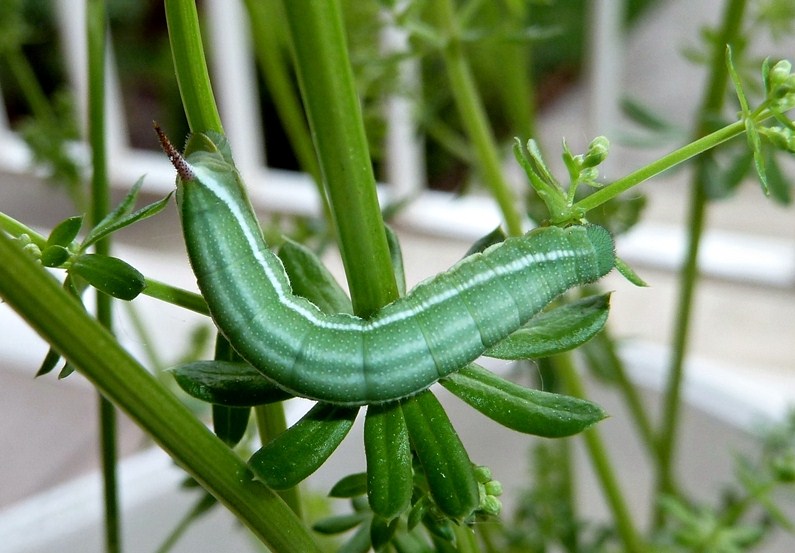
(332, 105)
(35, 295)
(711, 105)
(473, 116)
(100, 205)
(597, 454)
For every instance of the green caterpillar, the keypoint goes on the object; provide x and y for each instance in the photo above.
(439, 327)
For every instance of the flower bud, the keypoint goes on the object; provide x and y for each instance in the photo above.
(779, 74)
(597, 152)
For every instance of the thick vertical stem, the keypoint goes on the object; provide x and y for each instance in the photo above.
(190, 66)
(35, 295)
(335, 118)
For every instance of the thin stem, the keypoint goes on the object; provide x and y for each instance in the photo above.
(29, 85)
(466, 540)
(16, 228)
(184, 524)
(267, 26)
(154, 288)
(712, 103)
(661, 165)
(266, 22)
(597, 453)
(473, 116)
(35, 295)
(332, 105)
(630, 393)
(176, 296)
(100, 205)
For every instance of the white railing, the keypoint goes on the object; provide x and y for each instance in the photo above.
(764, 260)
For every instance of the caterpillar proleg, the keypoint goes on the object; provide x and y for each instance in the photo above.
(443, 324)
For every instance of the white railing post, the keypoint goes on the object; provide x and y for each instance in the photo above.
(234, 82)
(604, 61)
(405, 155)
(72, 25)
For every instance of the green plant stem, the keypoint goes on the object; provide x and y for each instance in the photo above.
(267, 20)
(711, 105)
(473, 116)
(29, 85)
(629, 392)
(190, 66)
(661, 165)
(270, 423)
(100, 205)
(154, 288)
(176, 296)
(36, 296)
(597, 454)
(16, 228)
(329, 94)
(184, 524)
(466, 541)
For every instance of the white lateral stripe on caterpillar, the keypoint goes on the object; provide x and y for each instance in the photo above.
(440, 326)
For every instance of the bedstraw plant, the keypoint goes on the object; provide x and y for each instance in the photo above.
(286, 328)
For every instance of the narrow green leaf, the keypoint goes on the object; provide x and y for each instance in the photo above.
(440, 528)
(382, 531)
(522, 409)
(340, 523)
(66, 370)
(644, 116)
(759, 159)
(304, 447)
(230, 423)
(388, 453)
(629, 273)
(54, 256)
(494, 237)
(397, 259)
(65, 232)
(109, 275)
(778, 184)
(350, 486)
(122, 217)
(50, 360)
(227, 383)
(312, 280)
(448, 470)
(751, 132)
(555, 331)
(359, 542)
(124, 208)
(417, 512)
(722, 182)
